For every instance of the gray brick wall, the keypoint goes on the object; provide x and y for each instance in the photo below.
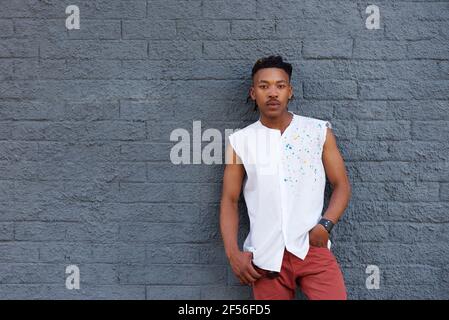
(86, 115)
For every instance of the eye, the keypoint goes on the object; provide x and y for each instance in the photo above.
(263, 86)
(282, 86)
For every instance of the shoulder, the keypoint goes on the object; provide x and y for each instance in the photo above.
(316, 127)
(239, 138)
(311, 121)
(242, 132)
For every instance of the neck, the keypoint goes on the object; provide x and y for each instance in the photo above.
(279, 123)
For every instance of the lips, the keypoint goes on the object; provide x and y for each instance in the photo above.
(273, 103)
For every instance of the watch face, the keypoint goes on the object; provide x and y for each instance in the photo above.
(327, 224)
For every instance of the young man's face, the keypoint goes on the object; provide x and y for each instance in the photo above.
(271, 89)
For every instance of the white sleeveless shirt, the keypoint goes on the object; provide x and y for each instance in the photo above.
(283, 187)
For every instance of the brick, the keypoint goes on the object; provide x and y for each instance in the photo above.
(96, 29)
(148, 29)
(333, 49)
(172, 275)
(6, 69)
(251, 49)
(31, 273)
(173, 292)
(23, 170)
(31, 9)
(162, 232)
(7, 28)
(340, 9)
(144, 110)
(85, 90)
(392, 232)
(18, 48)
(143, 69)
(41, 28)
(430, 130)
(384, 130)
(150, 212)
(427, 11)
(124, 49)
(430, 89)
(428, 49)
(444, 191)
(92, 292)
(317, 69)
(416, 110)
(385, 90)
(395, 191)
(330, 89)
(253, 29)
(226, 292)
(19, 211)
(6, 231)
(18, 150)
(18, 252)
(102, 130)
(38, 231)
(231, 9)
(159, 9)
(77, 152)
(415, 69)
(281, 10)
(203, 29)
(82, 252)
(67, 69)
(28, 190)
(379, 50)
(163, 172)
(407, 29)
(30, 110)
(95, 191)
(416, 150)
(172, 253)
(384, 171)
(382, 211)
(322, 28)
(174, 49)
(88, 111)
(99, 232)
(105, 171)
(99, 9)
(367, 110)
(139, 151)
(6, 129)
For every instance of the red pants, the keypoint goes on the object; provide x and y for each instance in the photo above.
(318, 275)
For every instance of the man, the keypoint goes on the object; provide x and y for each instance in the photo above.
(282, 161)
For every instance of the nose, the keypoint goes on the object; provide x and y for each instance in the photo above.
(273, 92)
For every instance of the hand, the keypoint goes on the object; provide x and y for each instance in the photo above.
(241, 263)
(318, 236)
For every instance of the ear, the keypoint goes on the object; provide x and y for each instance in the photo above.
(252, 93)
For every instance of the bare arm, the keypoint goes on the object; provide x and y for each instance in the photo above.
(336, 173)
(341, 189)
(229, 219)
(229, 216)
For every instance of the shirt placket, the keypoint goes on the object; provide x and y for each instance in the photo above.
(282, 185)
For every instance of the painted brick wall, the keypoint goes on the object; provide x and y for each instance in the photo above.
(86, 117)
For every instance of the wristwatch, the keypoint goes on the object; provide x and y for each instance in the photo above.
(327, 224)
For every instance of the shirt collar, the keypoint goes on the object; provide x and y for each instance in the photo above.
(261, 125)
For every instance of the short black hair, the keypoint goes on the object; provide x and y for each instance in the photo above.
(270, 62)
